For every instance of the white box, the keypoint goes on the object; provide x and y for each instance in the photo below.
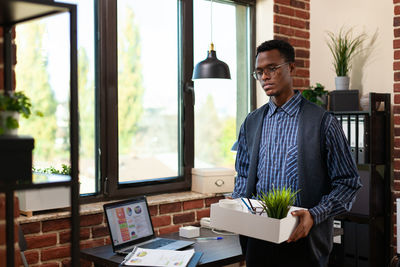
(189, 231)
(45, 198)
(213, 180)
(241, 221)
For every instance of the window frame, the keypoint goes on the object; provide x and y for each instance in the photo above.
(106, 86)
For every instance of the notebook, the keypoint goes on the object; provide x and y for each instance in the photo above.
(130, 226)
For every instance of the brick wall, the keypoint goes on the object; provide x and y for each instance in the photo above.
(292, 24)
(396, 114)
(48, 241)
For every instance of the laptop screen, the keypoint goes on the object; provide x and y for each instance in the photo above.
(129, 222)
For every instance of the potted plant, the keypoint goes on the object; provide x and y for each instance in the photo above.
(316, 94)
(277, 202)
(11, 105)
(344, 47)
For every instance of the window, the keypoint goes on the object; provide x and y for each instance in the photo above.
(147, 90)
(221, 105)
(137, 112)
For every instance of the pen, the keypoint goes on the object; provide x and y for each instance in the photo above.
(252, 211)
(127, 257)
(251, 205)
(210, 238)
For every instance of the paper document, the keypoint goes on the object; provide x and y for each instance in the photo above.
(159, 257)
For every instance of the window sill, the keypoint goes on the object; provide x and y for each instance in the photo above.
(94, 208)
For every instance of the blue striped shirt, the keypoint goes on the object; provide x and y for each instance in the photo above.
(277, 166)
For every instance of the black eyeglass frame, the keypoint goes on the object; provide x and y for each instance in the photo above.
(267, 71)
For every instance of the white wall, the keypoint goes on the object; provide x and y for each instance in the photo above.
(372, 70)
(264, 32)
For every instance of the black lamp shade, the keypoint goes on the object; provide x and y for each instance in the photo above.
(211, 67)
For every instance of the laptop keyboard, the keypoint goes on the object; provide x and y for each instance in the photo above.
(157, 243)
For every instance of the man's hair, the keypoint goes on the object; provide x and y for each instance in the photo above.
(285, 49)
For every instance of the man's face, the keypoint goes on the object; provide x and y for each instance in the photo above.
(276, 82)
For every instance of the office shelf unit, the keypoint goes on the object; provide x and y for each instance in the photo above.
(365, 242)
(13, 12)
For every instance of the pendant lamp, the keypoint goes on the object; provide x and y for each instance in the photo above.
(211, 67)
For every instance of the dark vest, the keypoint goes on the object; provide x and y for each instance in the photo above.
(312, 171)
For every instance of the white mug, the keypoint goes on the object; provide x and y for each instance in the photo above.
(229, 204)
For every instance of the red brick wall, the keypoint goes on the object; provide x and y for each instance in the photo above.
(49, 241)
(396, 114)
(292, 23)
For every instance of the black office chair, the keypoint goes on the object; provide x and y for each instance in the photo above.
(22, 246)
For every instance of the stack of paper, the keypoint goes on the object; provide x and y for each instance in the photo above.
(158, 257)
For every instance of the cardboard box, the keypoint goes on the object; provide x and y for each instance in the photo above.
(213, 180)
(241, 221)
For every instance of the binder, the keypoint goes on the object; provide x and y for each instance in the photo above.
(361, 142)
(353, 145)
(345, 127)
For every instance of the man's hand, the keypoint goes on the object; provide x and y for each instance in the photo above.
(306, 221)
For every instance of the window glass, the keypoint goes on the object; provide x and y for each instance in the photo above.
(220, 104)
(147, 90)
(43, 73)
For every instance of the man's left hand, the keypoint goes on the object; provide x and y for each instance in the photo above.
(306, 221)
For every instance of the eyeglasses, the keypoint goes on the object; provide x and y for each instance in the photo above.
(257, 74)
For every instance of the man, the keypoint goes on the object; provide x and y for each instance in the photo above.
(290, 142)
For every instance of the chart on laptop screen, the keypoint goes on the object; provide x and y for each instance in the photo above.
(128, 222)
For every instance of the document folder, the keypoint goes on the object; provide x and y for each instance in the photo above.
(362, 159)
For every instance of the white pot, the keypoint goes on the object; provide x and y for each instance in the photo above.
(3, 118)
(342, 82)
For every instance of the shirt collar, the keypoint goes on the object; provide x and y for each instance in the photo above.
(290, 107)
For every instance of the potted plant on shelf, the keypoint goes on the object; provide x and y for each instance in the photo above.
(316, 94)
(344, 47)
(12, 104)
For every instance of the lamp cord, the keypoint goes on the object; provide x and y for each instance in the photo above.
(211, 20)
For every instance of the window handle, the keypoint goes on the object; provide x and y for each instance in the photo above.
(190, 89)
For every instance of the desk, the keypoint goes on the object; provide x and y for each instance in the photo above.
(215, 252)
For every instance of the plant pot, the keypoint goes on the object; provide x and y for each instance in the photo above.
(45, 198)
(4, 116)
(342, 82)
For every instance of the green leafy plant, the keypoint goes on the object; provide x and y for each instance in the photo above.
(65, 170)
(314, 94)
(14, 102)
(277, 202)
(344, 47)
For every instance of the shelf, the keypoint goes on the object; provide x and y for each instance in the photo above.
(13, 12)
(16, 11)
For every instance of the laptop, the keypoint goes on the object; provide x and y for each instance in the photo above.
(130, 226)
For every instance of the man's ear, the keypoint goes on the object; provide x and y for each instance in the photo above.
(292, 67)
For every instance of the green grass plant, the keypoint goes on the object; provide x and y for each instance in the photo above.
(277, 202)
(344, 47)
